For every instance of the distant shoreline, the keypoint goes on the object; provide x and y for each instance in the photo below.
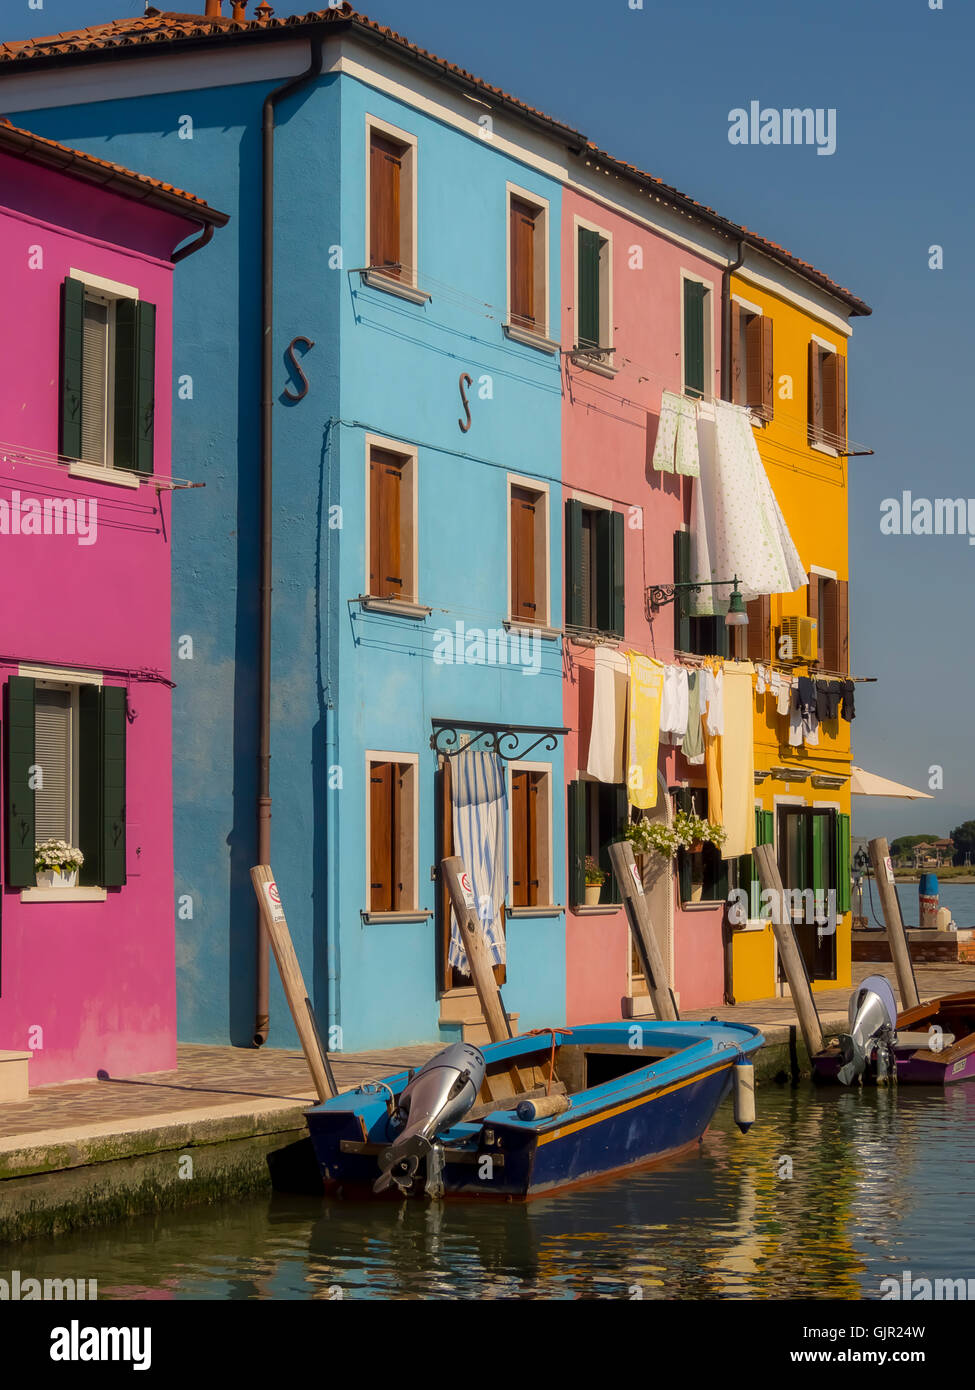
(951, 878)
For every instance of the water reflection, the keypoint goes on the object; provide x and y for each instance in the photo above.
(830, 1192)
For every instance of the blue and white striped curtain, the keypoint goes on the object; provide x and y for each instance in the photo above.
(480, 815)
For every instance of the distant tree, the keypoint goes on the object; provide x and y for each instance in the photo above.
(964, 838)
(905, 843)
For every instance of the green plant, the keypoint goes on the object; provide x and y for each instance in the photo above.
(656, 837)
(594, 874)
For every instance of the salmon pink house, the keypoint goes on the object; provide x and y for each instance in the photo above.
(87, 969)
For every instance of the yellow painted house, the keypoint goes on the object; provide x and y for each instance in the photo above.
(787, 362)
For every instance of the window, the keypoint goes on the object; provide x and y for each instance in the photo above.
(531, 836)
(754, 641)
(697, 338)
(747, 874)
(814, 859)
(528, 554)
(65, 776)
(527, 264)
(594, 554)
(751, 359)
(391, 523)
(597, 812)
(827, 397)
(392, 834)
(108, 362)
(702, 876)
(706, 636)
(829, 608)
(391, 204)
(594, 324)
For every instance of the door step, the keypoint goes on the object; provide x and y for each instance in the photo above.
(13, 1076)
(471, 1030)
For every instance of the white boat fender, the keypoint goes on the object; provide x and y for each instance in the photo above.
(744, 1075)
(544, 1105)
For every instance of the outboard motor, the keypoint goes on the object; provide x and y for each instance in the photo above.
(439, 1095)
(873, 1021)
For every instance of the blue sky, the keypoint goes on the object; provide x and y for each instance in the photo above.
(654, 85)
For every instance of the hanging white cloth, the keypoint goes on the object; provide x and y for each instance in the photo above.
(606, 738)
(737, 526)
(673, 708)
(480, 818)
(676, 446)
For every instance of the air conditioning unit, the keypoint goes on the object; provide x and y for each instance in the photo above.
(798, 640)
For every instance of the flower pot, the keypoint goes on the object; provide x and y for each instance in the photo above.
(593, 891)
(55, 878)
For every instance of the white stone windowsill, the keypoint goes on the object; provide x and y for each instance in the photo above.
(376, 280)
(414, 915)
(824, 449)
(399, 608)
(63, 895)
(543, 910)
(590, 362)
(527, 338)
(519, 626)
(117, 477)
(597, 909)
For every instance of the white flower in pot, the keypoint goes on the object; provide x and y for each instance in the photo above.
(56, 864)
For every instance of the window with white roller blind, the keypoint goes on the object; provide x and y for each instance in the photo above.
(54, 719)
(96, 397)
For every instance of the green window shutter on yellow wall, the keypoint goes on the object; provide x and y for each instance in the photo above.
(72, 355)
(587, 306)
(135, 367)
(842, 863)
(20, 794)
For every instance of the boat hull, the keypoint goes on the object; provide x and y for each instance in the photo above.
(952, 1016)
(632, 1121)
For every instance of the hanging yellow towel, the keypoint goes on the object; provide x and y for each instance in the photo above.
(646, 694)
(713, 720)
(737, 761)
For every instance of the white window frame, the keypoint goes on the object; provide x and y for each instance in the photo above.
(109, 292)
(607, 330)
(414, 913)
(408, 216)
(543, 613)
(709, 368)
(409, 603)
(542, 253)
(546, 885)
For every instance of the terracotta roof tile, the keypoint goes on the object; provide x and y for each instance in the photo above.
(174, 28)
(25, 142)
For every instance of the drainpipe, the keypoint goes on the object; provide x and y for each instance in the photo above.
(262, 1007)
(727, 385)
(727, 392)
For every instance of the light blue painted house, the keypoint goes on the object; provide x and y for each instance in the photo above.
(415, 664)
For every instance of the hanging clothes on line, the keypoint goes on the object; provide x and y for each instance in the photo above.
(479, 805)
(646, 697)
(737, 761)
(693, 745)
(674, 706)
(607, 735)
(712, 701)
(676, 448)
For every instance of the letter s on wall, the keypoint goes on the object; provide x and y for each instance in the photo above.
(465, 380)
(296, 368)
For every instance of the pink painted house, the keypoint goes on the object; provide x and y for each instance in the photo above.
(87, 972)
(643, 312)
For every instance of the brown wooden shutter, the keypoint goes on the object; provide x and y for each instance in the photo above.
(839, 424)
(380, 837)
(828, 628)
(522, 222)
(828, 435)
(523, 603)
(815, 404)
(737, 385)
(767, 397)
(842, 626)
(386, 579)
(399, 829)
(519, 839)
(385, 174)
(753, 384)
(759, 629)
(532, 839)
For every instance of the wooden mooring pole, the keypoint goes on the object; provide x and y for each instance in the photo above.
(276, 926)
(900, 951)
(641, 927)
(792, 962)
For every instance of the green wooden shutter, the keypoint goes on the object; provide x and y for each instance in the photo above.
(587, 308)
(573, 564)
(820, 865)
(72, 356)
(682, 575)
(135, 367)
(694, 337)
(747, 872)
(684, 802)
(619, 575)
(842, 863)
(20, 794)
(609, 572)
(101, 797)
(576, 818)
(614, 811)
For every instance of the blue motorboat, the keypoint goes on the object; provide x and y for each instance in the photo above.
(534, 1113)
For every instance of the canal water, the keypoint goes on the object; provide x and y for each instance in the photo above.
(831, 1192)
(959, 898)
